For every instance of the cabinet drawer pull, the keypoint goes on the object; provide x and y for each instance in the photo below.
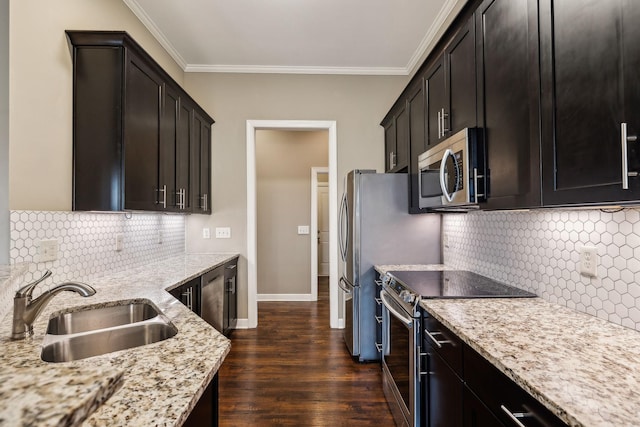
(231, 267)
(435, 341)
(624, 139)
(163, 190)
(515, 415)
(444, 116)
(378, 282)
(378, 301)
(379, 347)
(439, 124)
(379, 319)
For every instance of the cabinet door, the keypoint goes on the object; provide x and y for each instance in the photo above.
(508, 100)
(142, 136)
(183, 155)
(168, 146)
(397, 138)
(460, 58)
(389, 142)
(445, 394)
(476, 414)
(436, 101)
(417, 139)
(201, 165)
(585, 87)
(401, 157)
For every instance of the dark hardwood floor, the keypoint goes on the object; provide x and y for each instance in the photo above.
(293, 370)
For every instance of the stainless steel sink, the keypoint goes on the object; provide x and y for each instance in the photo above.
(91, 319)
(96, 331)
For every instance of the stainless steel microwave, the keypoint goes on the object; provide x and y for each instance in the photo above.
(453, 173)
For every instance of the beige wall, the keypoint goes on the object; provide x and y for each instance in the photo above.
(4, 131)
(283, 189)
(356, 103)
(41, 91)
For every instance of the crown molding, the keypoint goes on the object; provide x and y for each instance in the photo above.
(443, 20)
(274, 69)
(155, 31)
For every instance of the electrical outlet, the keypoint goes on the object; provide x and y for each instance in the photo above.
(303, 229)
(160, 237)
(206, 233)
(48, 250)
(119, 242)
(223, 232)
(588, 261)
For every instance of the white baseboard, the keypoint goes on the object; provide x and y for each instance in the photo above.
(242, 324)
(285, 297)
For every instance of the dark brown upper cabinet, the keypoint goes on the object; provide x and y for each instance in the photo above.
(134, 138)
(451, 87)
(416, 103)
(508, 100)
(591, 92)
(396, 141)
(201, 164)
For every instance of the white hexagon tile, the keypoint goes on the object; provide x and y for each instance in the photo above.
(87, 241)
(540, 251)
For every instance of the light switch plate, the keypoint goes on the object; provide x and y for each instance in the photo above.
(206, 233)
(588, 261)
(223, 232)
(119, 242)
(48, 250)
(303, 229)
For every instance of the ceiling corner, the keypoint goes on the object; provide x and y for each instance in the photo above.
(449, 11)
(155, 31)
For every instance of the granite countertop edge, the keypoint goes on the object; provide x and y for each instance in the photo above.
(156, 384)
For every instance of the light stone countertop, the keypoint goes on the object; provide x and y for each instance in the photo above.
(584, 369)
(156, 384)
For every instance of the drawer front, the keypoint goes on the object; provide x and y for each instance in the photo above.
(444, 397)
(476, 413)
(500, 394)
(443, 342)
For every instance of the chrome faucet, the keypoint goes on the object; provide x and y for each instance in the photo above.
(25, 311)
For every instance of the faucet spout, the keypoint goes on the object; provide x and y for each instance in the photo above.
(26, 310)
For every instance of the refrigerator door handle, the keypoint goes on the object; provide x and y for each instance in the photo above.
(343, 224)
(344, 286)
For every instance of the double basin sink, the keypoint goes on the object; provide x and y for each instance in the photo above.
(93, 331)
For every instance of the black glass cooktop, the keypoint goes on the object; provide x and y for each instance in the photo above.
(454, 284)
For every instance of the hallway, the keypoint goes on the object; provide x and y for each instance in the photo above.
(293, 370)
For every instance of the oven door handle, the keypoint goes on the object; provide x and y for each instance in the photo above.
(407, 320)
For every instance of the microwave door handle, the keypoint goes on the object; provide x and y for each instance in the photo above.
(443, 184)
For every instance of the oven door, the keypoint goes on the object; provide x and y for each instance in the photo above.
(400, 340)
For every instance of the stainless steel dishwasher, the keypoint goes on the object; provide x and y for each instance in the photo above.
(212, 298)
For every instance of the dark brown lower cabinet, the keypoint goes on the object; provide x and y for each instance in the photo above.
(476, 414)
(502, 396)
(445, 394)
(205, 413)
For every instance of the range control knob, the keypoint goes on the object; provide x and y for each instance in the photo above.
(407, 296)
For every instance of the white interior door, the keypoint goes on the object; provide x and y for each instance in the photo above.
(323, 229)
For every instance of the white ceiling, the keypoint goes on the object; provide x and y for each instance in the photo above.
(387, 37)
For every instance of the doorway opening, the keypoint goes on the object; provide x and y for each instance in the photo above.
(320, 227)
(252, 267)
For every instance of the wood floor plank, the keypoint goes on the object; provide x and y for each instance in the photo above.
(293, 370)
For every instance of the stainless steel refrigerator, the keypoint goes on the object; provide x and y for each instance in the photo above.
(376, 229)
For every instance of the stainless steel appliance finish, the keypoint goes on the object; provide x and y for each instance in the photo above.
(402, 358)
(376, 228)
(452, 174)
(212, 294)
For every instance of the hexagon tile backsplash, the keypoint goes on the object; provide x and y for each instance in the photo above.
(87, 242)
(540, 251)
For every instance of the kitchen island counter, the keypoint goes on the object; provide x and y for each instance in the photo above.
(156, 384)
(584, 369)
